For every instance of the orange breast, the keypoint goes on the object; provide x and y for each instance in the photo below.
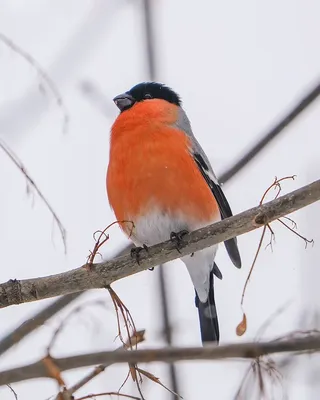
(150, 167)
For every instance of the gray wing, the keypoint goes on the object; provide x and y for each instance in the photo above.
(207, 172)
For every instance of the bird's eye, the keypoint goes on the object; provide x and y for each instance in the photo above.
(147, 96)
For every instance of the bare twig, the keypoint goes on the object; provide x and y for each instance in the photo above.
(103, 238)
(262, 368)
(260, 371)
(126, 316)
(95, 372)
(46, 79)
(92, 396)
(103, 274)
(14, 158)
(309, 343)
(242, 327)
(153, 378)
(306, 241)
(12, 391)
(253, 264)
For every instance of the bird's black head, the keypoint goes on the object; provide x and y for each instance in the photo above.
(146, 91)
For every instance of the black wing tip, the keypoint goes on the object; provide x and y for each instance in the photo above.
(217, 272)
(233, 251)
(237, 261)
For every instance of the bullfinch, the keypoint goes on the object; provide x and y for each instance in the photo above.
(160, 179)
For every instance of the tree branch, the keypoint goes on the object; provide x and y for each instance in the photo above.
(169, 354)
(105, 273)
(39, 318)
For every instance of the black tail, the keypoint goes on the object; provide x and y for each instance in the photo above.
(209, 325)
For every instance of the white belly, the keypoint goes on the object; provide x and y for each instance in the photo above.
(156, 228)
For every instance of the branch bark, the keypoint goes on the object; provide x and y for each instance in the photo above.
(39, 318)
(169, 354)
(105, 273)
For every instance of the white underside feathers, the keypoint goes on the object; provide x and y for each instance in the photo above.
(156, 228)
(199, 266)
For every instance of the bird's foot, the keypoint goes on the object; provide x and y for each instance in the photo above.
(135, 253)
(177, 238)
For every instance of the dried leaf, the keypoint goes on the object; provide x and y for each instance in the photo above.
(242, 327)
(136, 337)
(133, 372)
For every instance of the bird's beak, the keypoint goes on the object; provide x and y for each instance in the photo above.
(124, 101)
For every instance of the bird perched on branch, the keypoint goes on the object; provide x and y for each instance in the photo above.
(160, 179)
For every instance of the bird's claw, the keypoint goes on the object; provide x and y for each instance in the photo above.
(135, 253)
(177, 238)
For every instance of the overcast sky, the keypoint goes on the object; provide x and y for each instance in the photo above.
(238, 66)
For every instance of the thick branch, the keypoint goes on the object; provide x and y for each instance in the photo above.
(245, 350)
(102, 274)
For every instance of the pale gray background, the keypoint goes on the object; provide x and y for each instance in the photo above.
(238, 67)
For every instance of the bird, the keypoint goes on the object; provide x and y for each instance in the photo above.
(160, 179)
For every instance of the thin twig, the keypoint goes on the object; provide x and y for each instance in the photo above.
(92, 396)
(306, 241)
(126, 316)
(103, 238)
(242, 326)
(44, 76)
(14, 158)
(153, 378)
(12, 391)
